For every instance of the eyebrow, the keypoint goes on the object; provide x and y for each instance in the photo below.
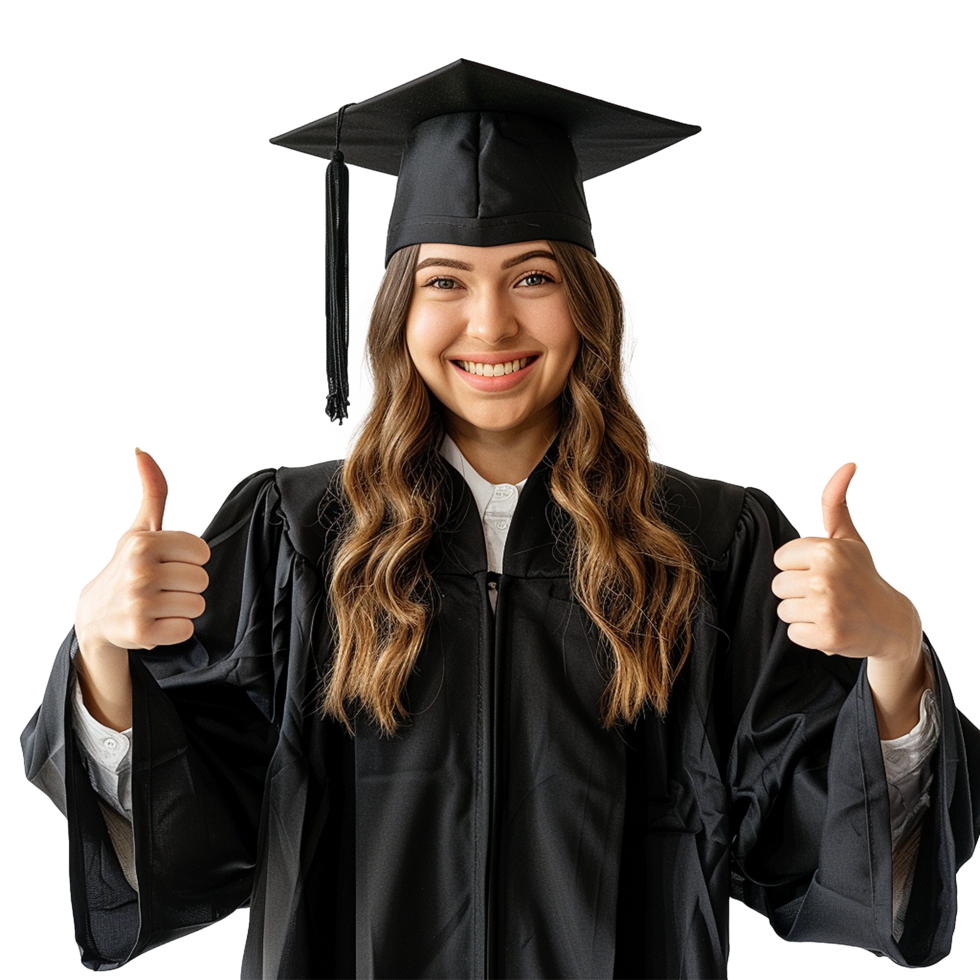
(540, 253)
(451, 263)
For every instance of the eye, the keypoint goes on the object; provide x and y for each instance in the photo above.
(534, 279)
(440, 282)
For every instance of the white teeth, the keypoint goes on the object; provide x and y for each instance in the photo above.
(493, 370)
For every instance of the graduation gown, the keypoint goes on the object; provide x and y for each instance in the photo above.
(502, 832)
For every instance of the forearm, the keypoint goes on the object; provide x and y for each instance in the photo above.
(897, 681)
(107, 690)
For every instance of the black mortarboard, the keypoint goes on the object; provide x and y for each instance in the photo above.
(483, 157)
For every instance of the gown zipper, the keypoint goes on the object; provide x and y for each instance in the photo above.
(490, 936)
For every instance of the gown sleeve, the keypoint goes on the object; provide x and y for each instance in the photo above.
(809, 805)
(205, 718)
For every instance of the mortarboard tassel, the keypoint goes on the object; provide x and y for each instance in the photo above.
(336, 282)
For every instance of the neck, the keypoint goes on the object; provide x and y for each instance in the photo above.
(504, 457)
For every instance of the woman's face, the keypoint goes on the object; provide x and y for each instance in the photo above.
(490, 332)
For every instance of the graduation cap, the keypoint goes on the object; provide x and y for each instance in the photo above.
(483, 157)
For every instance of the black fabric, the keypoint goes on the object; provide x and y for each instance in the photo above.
(502, 832)
(488, 178)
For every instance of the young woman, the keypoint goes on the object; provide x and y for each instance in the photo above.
(495, 696)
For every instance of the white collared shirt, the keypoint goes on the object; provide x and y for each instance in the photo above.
(495, 503)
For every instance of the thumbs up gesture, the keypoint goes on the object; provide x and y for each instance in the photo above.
(832, 595)
(150, 592)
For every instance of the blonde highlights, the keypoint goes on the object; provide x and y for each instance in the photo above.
(634, 575)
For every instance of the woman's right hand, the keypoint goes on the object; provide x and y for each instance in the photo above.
(148, 595)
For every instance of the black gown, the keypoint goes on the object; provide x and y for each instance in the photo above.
(502, 832)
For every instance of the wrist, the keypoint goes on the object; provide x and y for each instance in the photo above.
(95, 649)
(901, 638)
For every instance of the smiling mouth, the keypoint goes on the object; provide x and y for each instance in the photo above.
(482, 370)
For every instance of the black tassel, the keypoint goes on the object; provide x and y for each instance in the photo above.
(337, 283)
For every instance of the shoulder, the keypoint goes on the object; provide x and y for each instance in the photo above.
(300, 501)
(304, 491)
(308, 502)
(710, 513)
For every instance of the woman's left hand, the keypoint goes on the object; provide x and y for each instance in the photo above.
(834, 600)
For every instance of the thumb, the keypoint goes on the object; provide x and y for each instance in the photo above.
(836, 517)
(150, 515)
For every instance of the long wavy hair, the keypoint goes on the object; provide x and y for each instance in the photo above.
(633, 574)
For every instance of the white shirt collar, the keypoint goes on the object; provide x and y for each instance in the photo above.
(495, 503)
(482, 489)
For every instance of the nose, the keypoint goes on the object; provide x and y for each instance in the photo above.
(492, 317)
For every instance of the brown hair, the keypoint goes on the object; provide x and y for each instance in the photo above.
(634, 575)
